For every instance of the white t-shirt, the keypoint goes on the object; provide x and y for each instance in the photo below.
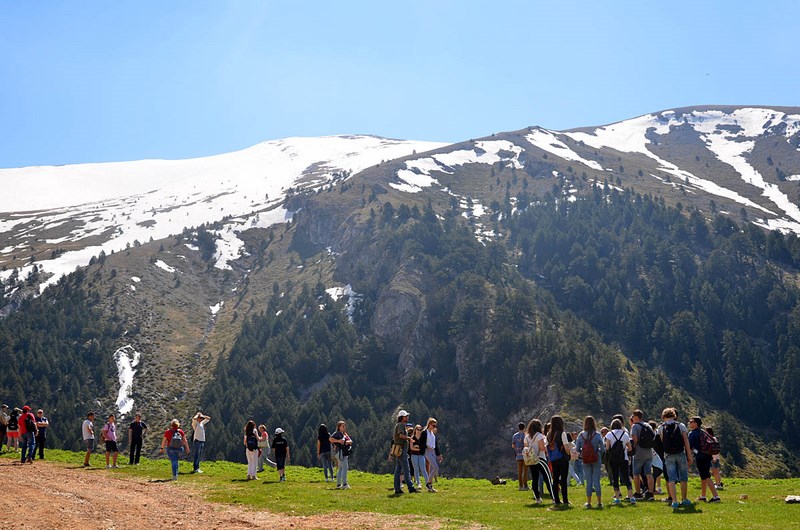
(534, 443)
(199, 430)
(622, 436)
(430, 442)
(88, 430)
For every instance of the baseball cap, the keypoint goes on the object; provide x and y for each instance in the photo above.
(26, 408)
(278, 431)
(402, 412)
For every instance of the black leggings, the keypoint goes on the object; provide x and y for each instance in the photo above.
(560, 478)
(541, 469)
(619, 473)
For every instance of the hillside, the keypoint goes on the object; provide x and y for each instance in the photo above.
(647, 263)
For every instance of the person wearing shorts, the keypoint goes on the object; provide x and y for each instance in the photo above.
(703, 461)
(677, 456)
(281, 447)
(87, 431)
(109, 434)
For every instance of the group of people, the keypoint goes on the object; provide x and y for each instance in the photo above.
(642, 453)
(174, 441)
(415, 451)
(21, 429)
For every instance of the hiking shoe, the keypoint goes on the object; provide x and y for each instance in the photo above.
(675, 505)
(587, 505)
(701, 499)
(346, 487)
(649, 496)
(715, 499)
(638, 495)
(687, 502)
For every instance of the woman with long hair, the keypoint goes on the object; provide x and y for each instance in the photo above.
(324, 451)
(250, 441)
(343, 444)
(534, 442)
(417, 453)
(558, 444)
(591, 459)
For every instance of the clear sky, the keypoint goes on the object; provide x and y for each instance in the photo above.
(94, 81)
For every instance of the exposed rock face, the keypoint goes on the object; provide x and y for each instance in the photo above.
(401, 320)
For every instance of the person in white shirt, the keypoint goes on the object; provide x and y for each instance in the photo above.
(87, 431)
(199, 426)
(618, 443)
(432, 457)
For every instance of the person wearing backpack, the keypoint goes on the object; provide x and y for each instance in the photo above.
(27, 434)
(590, 447)
(558, 449)
(618, 443)
(535, 453)
(677, 456)
(12, 429)
(109, 435)
(4, 417)
(643, 438)
(715, 464)
(250, 441)
(703, 448)
(175, 443)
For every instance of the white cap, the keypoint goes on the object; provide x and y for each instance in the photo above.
(402, 413)
(278, 431)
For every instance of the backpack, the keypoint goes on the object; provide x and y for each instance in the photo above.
(617, 453)
(30, 425)
(13, 421)
(252, 442)
(177, 440)
(555, 449)
(646, 436)
(708, 444)
(346, 450)
(673, 439)
(588, 454)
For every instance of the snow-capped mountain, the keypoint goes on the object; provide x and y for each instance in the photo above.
(63, 215)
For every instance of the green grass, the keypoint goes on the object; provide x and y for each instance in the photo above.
(461, 502)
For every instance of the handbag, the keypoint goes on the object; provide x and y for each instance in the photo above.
(397, 450)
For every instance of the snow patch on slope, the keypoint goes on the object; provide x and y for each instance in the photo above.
(547, 141)
(127, 359)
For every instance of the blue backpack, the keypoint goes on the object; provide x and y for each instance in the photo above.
(555, 449)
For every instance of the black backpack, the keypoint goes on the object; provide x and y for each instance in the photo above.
(13, 422)
(673, 439)
(646, 436)
(177, 440)
(346, 450)
(617, 453)
(252, 442)
(30, 424)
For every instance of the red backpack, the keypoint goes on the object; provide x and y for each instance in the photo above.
(588, 454)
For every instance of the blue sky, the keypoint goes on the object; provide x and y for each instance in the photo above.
(94, 81)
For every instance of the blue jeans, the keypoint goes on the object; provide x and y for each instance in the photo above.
(591, 476)
(419, 468)
(341, 475)
(327, 463)
(198, 452)
(174, 455)
(28, 441)
(401, 465)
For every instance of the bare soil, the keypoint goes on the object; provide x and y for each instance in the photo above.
(46, 495)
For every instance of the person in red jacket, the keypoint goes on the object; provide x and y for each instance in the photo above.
(27, 434)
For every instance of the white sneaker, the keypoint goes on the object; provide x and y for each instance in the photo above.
(199, 470)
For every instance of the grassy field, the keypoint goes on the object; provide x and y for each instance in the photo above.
(461, 502)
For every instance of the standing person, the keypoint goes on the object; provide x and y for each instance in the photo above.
(702, 459)
(575, 464)
(41, 437)
(343, 444)
(606, 463)
(27, 434)
(643, 438)
(109, 436)
(535, 442)
(714, 463)
(324, 451)
(416, 449)
(433, 457)
(400, 453)
(199, 421)
(87, 431)
(590, 446)
(250, 442)
(618, 443)
(12, 431)
(136, 431)
(263, 448)
(4, 417)
(658, 460)
(518, 444)
(558, 447)
(677, 456)
(281, 447)
(175, 443)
